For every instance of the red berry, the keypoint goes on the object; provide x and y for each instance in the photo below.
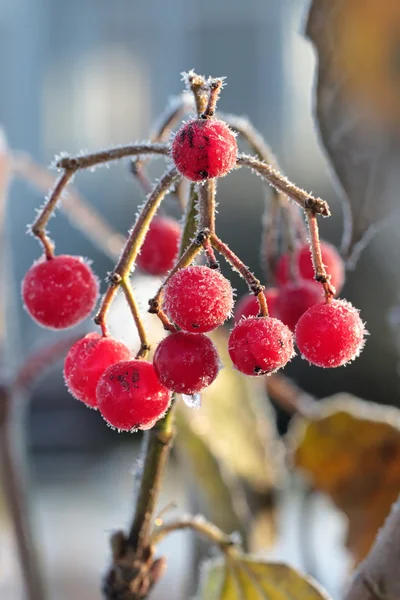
(87, 360)
(160, 246)
(203, 149)
(186, 363)
(295, 298)
(330, 257)
(260, 345)
(130, 396)
(248, 305)
(198, 299)
(60, 292)
(330, 334)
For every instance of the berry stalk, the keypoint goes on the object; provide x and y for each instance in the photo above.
(133, 244)
(254, 284)
(320, 272)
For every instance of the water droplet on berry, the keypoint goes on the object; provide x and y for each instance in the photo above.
(192, 401)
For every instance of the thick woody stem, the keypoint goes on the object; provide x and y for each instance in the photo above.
(88, 161)
(254, 284)
(278, 181)
(156, 447)
(206, 193)
(200, 90)
(320, 273)
(134, 243)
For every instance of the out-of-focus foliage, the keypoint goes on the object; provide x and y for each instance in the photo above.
(357, 103)
(241, 577)
(231, 444)
(350, 450)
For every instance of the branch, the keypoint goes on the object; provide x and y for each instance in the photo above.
(279, 182)
(377, 578)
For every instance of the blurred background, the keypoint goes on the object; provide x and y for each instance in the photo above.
(88, 74)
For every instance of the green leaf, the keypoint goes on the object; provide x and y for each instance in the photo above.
(242, 577)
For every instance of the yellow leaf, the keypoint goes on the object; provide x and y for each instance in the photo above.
(351, 451)
(232, 443)
(243, 577)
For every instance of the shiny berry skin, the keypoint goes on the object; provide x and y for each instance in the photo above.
(87, 360)
(186, 363)
(160, 247)
(295, 298)
(130, 396)
(330, 334)
(330, 257)
(204, 149)
(198, 299)
(260, 345)
(60, 292)
(248, 305)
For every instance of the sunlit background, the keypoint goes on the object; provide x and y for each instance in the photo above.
(87, 74)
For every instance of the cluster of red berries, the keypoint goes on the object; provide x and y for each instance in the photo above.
(61, 291)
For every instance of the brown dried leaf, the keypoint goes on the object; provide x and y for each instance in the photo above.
(351, 451)
(358, 104)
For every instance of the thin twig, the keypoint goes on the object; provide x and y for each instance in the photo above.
(289, 396)
(134, 242)
(277, 180)
(144, 341)
(201, 526)
(215, 86)
(79, 212)
(87, 161)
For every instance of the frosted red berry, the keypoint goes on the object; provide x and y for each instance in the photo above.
(295, 298)
(160, 247)
(198, 299)
(186, 363)
(248, 305)
(330, 334)
(87, 360)
(130, 396)
(260, 345)
(204, 149)
(60, 292)
(330, 257)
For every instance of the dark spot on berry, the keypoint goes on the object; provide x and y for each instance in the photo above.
(258, 371)
(190, 133)
(135, 378)
(203, 174)
(123, 382)
(182, 135)
(195, 325)
(206, 140)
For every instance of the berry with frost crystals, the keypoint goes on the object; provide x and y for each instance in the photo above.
(204, 149)
(295, 298)
(186, 363)
(260, 345)
(160, 247)
(330, 258)
(330, 334)
(87, 360)
(248, 305)
(198, 299)
(130, 395)
(60, 292)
